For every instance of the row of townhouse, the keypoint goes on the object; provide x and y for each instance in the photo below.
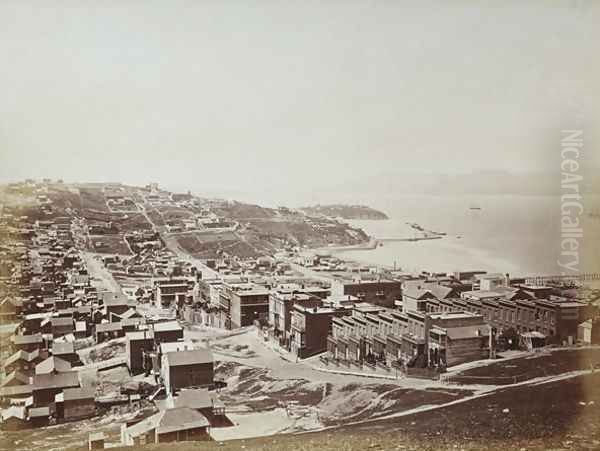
(524, 309)
(557, 319)
(411, 338)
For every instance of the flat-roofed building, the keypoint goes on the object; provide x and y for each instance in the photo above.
(281, 302)
(75, 403)
(137, 345)
(244, 303)
(167, 331)
(185, 369)
(310, 327)
(47, 386)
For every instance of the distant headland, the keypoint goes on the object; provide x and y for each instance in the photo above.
(345, 211)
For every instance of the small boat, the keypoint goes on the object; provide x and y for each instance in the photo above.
(458, 237)
(474, 207)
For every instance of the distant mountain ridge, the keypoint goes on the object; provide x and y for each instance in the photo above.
(345, 211)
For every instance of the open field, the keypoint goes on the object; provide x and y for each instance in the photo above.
(109, 244)
(560, 414)
(208, 245)
(93, 199)
(239, 210)
(131, 222)
(305, 234)
(546, 363)
(170, 213)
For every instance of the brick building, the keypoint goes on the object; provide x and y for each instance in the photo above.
(243, 303)
(412, 338)
(381, 292)
(310, 327)
(281, 303)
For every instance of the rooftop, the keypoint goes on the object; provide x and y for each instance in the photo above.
(167, 326)
(26, 339)
(169, 420)
(109, 327)
(192, 357)
(52, 364)
(175, 346)
(140, 335)
(62, 347)
(458, 333)
(60, 380)
(193, 398)
(72, 394)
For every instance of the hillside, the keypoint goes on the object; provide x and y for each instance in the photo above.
(345, 211)
(555, 415)
(203, 228)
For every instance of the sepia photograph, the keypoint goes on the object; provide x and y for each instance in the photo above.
(251, 225)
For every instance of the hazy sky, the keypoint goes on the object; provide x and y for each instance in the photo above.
(259, 96)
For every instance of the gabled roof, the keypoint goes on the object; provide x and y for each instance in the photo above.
(130, 313)
(52, 364)
(15, 378)
(21, 355)
(12, 302)
(170, 420)
(441, 291)
(14, 412)
(180, 419)
(415, 292)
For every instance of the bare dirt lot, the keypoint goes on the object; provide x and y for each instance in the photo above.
(251, 389)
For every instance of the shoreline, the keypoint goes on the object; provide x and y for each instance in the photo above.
(373, 244)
